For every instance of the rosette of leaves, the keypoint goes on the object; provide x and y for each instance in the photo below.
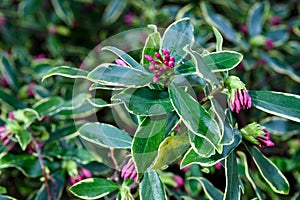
(172, 123)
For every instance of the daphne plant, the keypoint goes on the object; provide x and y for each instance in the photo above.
(171, 125)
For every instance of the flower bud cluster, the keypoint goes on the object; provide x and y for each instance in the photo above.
(129, 171)
(239, 98)
(162, 64)
(257, 134)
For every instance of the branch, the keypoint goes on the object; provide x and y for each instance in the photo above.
(38, 150)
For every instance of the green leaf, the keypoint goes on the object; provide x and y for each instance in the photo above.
(98, 86)
(189, 80)
(27, 164)
(202, 69)
(269, 171)
(27, 7)
(63, 11)
(3, 190)
(151, 187)
(256, 17)
(178, 35)
(66, 71)
(100, 103)
(113, 11)
(48, 106)
(125, 57)
(24, 138)
(5, 197)
(232, 190)
(170, 150)
(278, 35)
(148, 137)
(201, 146)
(281, 67)
(277, 103)
(211, 191)
(186, 68)
(219, 39)
(93, 188)
(191, 157)
(9, 72)
(152, 45)
(281, 126)
(218, 21)
(248, 174)
(105, 135)
(115, 75)
(11, 100)
(145, 101)
(222, 61)
(194, 116)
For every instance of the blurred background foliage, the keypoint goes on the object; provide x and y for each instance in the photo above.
(36, 35)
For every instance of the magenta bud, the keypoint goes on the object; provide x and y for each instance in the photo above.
(157, 55)
(152, 67)
(275, 20)
(40, 56)
(155, 79)
(172, 58)
(165, 51)
(120, 62)
(218, 165)
(167, 57)
(3, 20)
(86, 173)
(11, 116)
(149, 58)
(6, 141)
(30, 92)
(72, 181)
(243, 29)
(129, 18)
(171, 64)
(179, 181)
(52, 30)
(166, 68)
(269, 43)
(166, 62)
(159, 73)
(4, 82)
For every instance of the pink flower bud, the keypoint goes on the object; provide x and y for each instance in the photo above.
(30, 92)
(120, 62)
(218, 165)
(269, 44)
(129, 18)
(149, 58)
(39, 57)
(86, 173)
(72, 181)
(6, 141)
(4, 82)
(171, 64)
(275, 20)
(243, 29)
(158, 55)
(52, 30)
(155, 79)
(152, 67)
(165, 51)
(179, 181)
(11, 116)
(2, 21)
